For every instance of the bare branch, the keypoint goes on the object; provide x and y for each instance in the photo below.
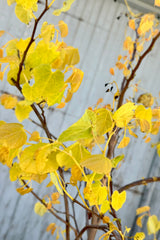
(144, 181)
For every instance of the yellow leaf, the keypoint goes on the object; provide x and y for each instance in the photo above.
(139, 220)
(139, 236)
(126, 72)
(157, 3)
(12, 135)
(118, 199)
(146, 24)
(63, 28)
(153, 225)
(124, 142)
(51, 227)
(124, 114)
(8, 101)
(132, 133)
(35, 136)
(76, 175)
(23, 191)
(142, 210)
(47, 32)
(75, 79)
(105, 206)
(104, 121)
(98, 163)
(40, 209)
(143, 117)
(23, 110)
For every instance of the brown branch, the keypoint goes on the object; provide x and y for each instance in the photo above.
(31, 41)
(149, 49)
(50, 210)
(144, 181)
(100, 227)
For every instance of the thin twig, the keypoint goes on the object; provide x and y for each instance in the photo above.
(50, 210)
(144, 181)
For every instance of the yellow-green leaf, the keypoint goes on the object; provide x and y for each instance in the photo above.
(104, 121)
(49, 86)
(124, 114)
(66, 6)
(153, 225)
(118, 199)
(12, 135)
(76, 151)
(82, 129)
(116, 160)
(40, 209)
(54, 180)
(98, 163)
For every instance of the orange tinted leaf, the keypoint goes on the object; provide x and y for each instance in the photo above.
(61, 105)
(63, 28)
(23, 190)
(51, 227)
(1, 32)
(8, 101)
(1, 52)
(132, 24)
(111, 70)
(119, 65)
(1, 75)
(142, 210)
(35, 136)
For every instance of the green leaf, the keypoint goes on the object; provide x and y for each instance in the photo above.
(116, 160)
(66, 6)
(76, 150)
(12, 135)
(82, 129)
(49, 86)
(98, 163)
